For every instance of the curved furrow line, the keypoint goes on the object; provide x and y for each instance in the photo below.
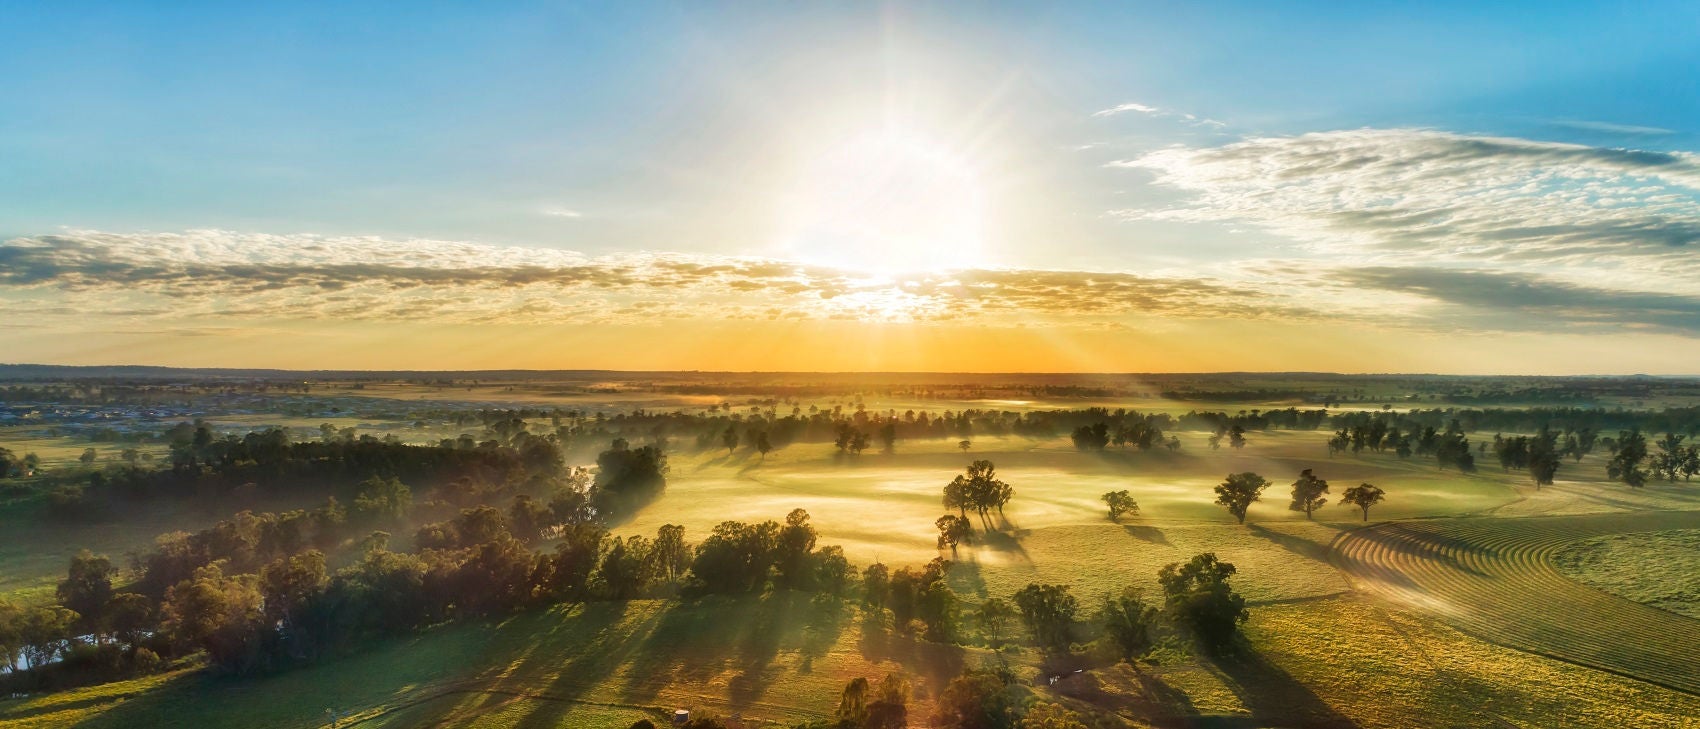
(1494, 578)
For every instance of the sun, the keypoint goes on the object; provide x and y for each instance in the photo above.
(888, 202)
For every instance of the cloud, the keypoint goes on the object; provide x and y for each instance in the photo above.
(1611, 128)
(562, 213)
(1124, 108)
(1153, 111)
(1490, 299)
(222, 274)
(1430, 195)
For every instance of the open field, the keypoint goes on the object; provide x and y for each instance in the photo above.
(1422, 617)
(1661, 569)
(1495, 578)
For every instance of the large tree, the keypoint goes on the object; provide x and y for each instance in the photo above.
(979, 489)
(954, 530)
(1048, 611)
(1309, 493)
(1363, 496)
(87, 589)
(1239, 490)
(1119, 503)
(1198, 596)
(1127, 620)
(993, 615)
(1627, 453)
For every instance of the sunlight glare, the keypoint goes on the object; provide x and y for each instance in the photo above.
(889, 202)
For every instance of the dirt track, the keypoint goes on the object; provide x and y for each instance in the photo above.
(1493, 578)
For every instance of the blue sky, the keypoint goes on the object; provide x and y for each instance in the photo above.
(698, 129)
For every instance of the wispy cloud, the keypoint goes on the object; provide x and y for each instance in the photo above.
(1430, 195)
(1152, 111)
(1477, 300)
(222, 274)
(562, 213)
(1611, 128)
(1125, 108)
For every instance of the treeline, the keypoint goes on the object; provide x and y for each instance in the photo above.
(203, 465)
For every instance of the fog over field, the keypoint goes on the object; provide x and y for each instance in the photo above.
(721, 365)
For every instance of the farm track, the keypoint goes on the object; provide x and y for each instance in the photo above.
(1493, 578)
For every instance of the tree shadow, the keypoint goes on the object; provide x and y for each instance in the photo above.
(1009, 542)
(965, 578)
(938, 663)
(574, 666)
(1297, 545)
(700, 641)
(1272, 695)
(1146, 533)
(1127, 690)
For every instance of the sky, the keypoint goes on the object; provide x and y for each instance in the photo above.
(1051, 187)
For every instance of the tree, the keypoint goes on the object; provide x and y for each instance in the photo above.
(792, 551)
(1627, 453)
(672, 556)
(1238, 491)
(864, 707)
(289, 588)
(1119, 503)
(978, 488)
(890, 707)
(1048, 611)
(1545, 457)
(1091, 437)
(763, 445)
(953, 530)
(888, 436)
(736, 557)
(1363, 496)
(627, 477)
(1451, 448)
(88, 457)
(1340, 443)
(876, 585)
(1236, 437)
(382, 498)
(729, 439)
(87, 590)
(42, 634)
(1127, 622)
(977, 699)
(1668, 461)
(1197, 594)
(993, 615)
(221, 615)
(1309, 493)
(964, 444)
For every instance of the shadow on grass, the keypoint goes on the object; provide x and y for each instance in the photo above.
(1272, 695)
(1297, 545)
(701, 641)
(1009, 542)
(1125, 690)
(935, 662)
(965, 577)
(1146, 533)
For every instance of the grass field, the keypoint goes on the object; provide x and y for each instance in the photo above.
(1661, 569)
(1324, 655)
(1495, 578)
(777, 658)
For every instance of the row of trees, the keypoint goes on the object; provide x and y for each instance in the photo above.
(1448, 447)
(1239, 491)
